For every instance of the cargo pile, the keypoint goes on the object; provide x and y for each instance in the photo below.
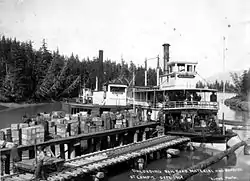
(58, 124)
(22, 134)
(33, 135)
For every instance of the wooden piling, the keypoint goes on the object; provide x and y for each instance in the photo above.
(31, 154)
(66, 151)
(7, 164)
(3, 158)
(206, 163)
(120, 139)
(136, 136)
(144, 136)
(72, 151)
(112, 141)
(62, 151)
(98, 144)
(104, 143)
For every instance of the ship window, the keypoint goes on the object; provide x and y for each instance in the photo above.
(194, 68)
(181, 67)
(189, 68)
(117, 89)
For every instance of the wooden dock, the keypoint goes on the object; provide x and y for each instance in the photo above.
(95, 142)
(29, 165)
(90, 163)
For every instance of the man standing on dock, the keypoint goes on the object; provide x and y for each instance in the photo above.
(15, 157)
(39, 173)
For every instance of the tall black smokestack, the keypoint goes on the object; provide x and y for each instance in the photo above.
(166, 57)
(101, 73)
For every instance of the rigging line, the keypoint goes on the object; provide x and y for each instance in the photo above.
(202, 78)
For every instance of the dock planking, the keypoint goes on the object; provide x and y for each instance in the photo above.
(29, 165)
(89, 163)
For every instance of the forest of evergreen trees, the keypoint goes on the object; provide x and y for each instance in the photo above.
(242, 84)
(230, 88)
(29, 75)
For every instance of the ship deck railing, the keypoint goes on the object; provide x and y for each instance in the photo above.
(179, 104)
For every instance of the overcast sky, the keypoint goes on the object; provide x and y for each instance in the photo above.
(136, 29)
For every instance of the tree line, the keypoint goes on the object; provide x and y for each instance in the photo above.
(218, 85)
(242, 84)
(29, 75)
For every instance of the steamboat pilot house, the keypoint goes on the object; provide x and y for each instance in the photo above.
(176, 94)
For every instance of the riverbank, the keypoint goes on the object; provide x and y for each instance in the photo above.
(8, 106)
(236, 103)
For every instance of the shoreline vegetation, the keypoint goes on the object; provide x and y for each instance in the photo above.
(241, 101)
(37, 75)
(236, 103)
(12, 105)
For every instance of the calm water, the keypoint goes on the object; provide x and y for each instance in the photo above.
(15, 115)
(239, 162)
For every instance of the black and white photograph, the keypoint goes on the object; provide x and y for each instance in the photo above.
(125, 90)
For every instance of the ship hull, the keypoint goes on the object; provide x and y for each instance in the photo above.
(207, 138)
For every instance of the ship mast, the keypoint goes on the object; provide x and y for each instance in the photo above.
(224, 83)
(224, 56)
(134, 89)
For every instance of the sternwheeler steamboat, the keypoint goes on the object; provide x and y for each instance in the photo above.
(179, 106)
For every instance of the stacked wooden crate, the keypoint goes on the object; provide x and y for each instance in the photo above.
(84, 124)
(118, 123)
(132, 120)
(112, 119)
(2, 135)
(106, 120)
(15, 134)
(97, 121)
(73, 128)
(32, 135)
(74, 117)
(52, 127)
(40, 133)
(7, 133)
(28, 135)
(62, 130)
(23, 125)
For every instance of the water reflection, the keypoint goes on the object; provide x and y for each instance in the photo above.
(230, 114)
(14, 115)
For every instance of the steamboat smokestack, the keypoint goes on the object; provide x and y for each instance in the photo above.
(166, 57)
(101, 73)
